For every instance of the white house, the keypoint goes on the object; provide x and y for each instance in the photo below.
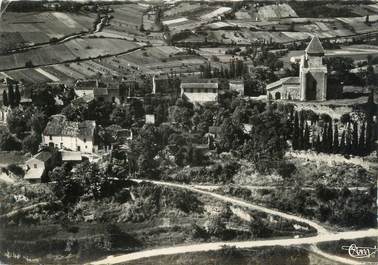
(70, 135)
(200, 92)
(39, 165)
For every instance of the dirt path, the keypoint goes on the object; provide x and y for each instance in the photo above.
(320, 229)
(23, 210)
(241, 244)
(257, 187)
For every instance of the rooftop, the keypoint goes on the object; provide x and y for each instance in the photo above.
(292, 80)
(199, 85)
(315, 47)
(59, 125)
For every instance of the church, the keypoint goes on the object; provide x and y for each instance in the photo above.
(311, 84)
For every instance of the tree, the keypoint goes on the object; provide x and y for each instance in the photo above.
(121, 116)
(43, 97)
(335, 139)
(17, 121)
(296, 131)
(329, 137)
(75, 112)
(361, 141)
(342, 148)
(17, 96)
(231, 135)
(31, 143)
(5, 98)
(306, 137)
(259, 229)
(266, 145)
(11, 99)
(355, 138)
(9, 142)
(371, 78)
(37, 122)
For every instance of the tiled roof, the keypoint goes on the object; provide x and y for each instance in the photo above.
(315, 47)
(60, 126)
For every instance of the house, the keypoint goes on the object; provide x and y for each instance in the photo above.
(39, 165)
(311, 84)
(109, 91)
(71, 135)
(201, 92)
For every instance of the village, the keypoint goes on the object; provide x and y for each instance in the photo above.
(127, 126)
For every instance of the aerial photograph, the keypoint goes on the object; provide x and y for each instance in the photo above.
(188, 132)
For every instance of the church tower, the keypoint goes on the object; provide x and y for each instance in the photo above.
(312, 73)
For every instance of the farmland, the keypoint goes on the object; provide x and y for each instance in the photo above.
(26, 29)
(74, 49)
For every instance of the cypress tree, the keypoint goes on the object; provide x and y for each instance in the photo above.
(232, 69)
(17, 96)
(324, 143)
(335, 140)
(318, 143)
(306, 137)
(296, 131)
(329, 137)
(342, 148)
(5, 98)
(369, 135)
(361, 142)
(10, 96)
(355, 139)
(348, 141)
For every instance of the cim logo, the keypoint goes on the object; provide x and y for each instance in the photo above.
(360, 252)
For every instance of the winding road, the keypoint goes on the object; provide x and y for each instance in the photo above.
(323, 234)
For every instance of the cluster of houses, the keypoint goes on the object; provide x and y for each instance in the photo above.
(76, 140)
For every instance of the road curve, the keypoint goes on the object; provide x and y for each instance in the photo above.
(240, 244)
(320, 229)
(323, 235)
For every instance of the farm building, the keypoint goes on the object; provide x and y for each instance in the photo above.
(200, 92)
(75, 136)
(312, 81)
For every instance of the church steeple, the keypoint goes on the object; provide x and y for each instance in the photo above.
(315, 47)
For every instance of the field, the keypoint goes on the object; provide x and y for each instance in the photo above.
(24, 29)
(127, 18)
(82, 48)
(271, 12)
